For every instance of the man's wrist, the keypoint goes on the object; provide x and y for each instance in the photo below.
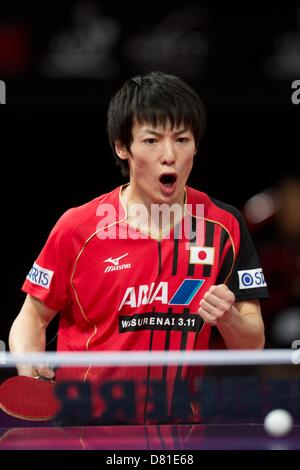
(228, 319)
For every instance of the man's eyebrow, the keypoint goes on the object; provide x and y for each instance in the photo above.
(152, 131)
(181, 131)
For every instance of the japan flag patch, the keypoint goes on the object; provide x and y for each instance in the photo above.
(202, 255)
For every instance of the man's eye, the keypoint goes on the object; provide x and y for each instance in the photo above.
(150, 141)
(182, 139)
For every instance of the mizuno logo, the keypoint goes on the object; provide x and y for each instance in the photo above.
(115, 264)
(114, 261)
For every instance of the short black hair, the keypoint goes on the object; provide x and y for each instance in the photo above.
(155, 98)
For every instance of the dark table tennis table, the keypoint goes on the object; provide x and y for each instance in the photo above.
(150, 437)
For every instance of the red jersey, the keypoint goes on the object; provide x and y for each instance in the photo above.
(119, 290)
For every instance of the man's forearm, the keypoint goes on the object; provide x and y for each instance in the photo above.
(242, 331)
(27, 334)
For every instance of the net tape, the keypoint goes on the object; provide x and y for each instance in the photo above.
(141, 358)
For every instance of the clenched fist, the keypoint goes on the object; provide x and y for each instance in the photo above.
(216, 304)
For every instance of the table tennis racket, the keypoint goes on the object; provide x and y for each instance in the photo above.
(29, 398)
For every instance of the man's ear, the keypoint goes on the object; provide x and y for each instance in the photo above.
(121, 150)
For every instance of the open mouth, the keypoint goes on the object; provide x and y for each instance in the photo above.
(168, 179)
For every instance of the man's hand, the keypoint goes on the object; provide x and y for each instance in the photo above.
(36, 371)
(240, 323)
(216, 305)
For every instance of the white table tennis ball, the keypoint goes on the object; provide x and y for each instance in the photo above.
(278, 423)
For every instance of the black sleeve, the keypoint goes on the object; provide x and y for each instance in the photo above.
(246, 279)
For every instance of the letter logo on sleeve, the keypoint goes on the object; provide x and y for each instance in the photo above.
(40, 276)
(251, 278)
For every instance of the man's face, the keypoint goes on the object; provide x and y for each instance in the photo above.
(160, 161)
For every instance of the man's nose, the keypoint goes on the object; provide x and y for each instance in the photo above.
(168, 153)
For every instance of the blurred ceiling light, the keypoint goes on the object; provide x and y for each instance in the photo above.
(284, 63)
(261, 206)
(178, 43)
(84, 50)
(15, 49)
(286, 326)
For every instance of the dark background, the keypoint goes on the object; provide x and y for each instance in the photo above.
(62, 61)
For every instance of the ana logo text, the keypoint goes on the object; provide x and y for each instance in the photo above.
(147, 293)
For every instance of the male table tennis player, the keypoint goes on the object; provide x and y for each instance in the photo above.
(122, 279)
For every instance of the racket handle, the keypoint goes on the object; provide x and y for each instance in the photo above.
(47, 379)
